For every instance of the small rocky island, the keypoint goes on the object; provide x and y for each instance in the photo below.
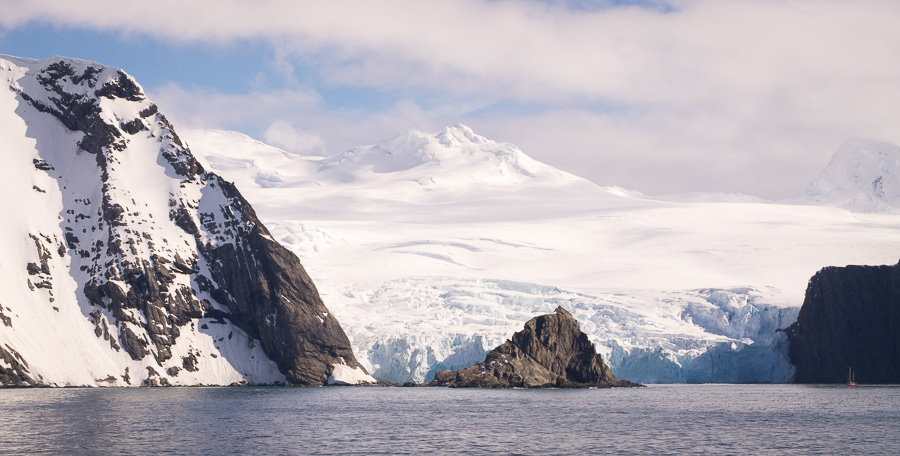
(551, 352)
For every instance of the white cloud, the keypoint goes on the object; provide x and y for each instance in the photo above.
(740, 95)
(640, 153)
(200, 107)
(705, 50)
(284, 135)
(293, 119)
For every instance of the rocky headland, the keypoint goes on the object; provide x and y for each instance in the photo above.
(850, 319)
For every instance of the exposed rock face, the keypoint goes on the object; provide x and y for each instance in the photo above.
(271, 296)
(850, 318)
(550, 352)
(167, 258)
(15, 371)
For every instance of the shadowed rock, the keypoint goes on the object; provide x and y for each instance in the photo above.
(850, 318)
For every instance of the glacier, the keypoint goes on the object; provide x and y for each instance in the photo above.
(433, 248)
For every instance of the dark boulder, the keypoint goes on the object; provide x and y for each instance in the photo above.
(850, 319)
(551, 351)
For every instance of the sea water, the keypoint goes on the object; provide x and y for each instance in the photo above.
(664, 419)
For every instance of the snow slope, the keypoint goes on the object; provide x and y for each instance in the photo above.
(112, 236)
(50, 326)
(434, 248)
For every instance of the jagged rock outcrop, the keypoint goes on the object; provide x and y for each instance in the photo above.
(551, 351)
(850, 319)
(14, 371)
(164, 263)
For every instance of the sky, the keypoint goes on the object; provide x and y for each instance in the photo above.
(658, 96)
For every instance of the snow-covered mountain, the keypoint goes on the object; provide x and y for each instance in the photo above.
(863, 176)
(456, 159)
(125, 263)
(434, 248)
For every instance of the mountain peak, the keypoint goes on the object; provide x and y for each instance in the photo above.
(74, 76)
(459, 134)
(863, 175)
(452, 158)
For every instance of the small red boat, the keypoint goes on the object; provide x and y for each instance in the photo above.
(851, 381)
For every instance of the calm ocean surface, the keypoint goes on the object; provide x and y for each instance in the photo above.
(670, 419)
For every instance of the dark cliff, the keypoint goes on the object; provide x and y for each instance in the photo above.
(270, 295)
(551, 351)
(850, 319)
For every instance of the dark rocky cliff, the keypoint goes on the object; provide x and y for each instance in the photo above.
(850, 318)
(551, 351)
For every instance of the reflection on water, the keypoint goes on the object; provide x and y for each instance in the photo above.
(669, 419)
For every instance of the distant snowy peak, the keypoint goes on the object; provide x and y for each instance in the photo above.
(451, 158)
(863, 176)
(460, 134)
(414, 166)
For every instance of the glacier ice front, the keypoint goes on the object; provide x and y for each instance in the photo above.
(425, 325)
